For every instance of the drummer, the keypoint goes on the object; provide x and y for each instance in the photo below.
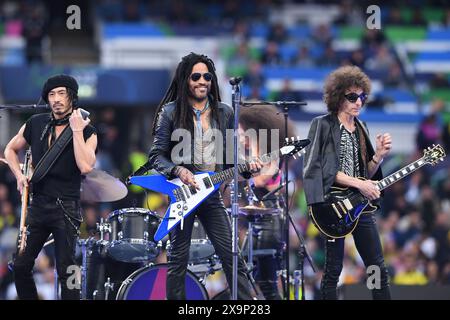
(269, 233)
(55, 207)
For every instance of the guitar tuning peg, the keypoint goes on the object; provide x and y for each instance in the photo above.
(298, 138)
(442, 159)
(287, 139)
(293, 156)
(293, 139)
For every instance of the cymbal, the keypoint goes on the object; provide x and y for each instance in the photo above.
(99, 186)
(254, 210)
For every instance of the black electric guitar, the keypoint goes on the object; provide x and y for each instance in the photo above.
(339, 214)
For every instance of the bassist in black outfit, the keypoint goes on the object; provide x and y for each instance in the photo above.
(340, 151)
(55, 206)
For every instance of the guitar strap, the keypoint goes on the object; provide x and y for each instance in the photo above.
(363, 147)
(49, 158)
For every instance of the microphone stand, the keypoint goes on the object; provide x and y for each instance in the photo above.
(23, 106)
(287, 216)
(236, 100)
(285, 105)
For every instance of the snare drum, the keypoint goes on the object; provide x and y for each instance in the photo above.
(200, 251)
(149, 283)
(131, 237)
(202, 258)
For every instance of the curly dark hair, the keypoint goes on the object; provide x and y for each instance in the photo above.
(266, 117)
(179, 91)
(341, 80)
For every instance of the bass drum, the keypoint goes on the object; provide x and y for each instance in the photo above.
(99, 267)
(149, 283)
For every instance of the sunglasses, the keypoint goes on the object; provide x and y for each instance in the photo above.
(196, 76)
(353, 97)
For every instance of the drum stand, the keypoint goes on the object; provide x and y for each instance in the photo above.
(250, 230)
(102, 227)
(108, 287)
(83, 244)
(299, 275)
(247, 266)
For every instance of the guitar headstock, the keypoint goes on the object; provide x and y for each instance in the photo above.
(293, 146)
(434, 154)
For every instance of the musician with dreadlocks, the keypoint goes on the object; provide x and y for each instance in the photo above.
(192, 109)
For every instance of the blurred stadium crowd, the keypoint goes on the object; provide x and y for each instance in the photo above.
(283, 50)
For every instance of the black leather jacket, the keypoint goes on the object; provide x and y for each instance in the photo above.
(321, 160)
(160, 152)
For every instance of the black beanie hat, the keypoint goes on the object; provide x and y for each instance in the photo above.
(60, 80)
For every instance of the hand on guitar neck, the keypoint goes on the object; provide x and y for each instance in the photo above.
(368, 188)
(22, 183)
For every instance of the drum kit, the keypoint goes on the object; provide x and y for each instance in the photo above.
(122, 265)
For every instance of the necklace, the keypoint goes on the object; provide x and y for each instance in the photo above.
(198, 113)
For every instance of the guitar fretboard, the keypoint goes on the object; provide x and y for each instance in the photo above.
(229, 173)
(400, 174)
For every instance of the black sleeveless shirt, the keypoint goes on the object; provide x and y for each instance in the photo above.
(64, 178)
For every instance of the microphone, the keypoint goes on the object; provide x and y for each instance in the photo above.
(274, 190)
(235, 80)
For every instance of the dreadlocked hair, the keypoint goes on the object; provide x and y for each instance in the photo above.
(179, 92)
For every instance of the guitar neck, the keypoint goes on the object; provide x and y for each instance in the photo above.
(400, 174)
(229, 173)
(24, 206)
(27, 172)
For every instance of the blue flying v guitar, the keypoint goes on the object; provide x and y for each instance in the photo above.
(184, 199)
(339, 214)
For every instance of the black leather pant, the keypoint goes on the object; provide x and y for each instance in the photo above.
(214, 218)
(268, 231)
(46, 217)
(368, 244)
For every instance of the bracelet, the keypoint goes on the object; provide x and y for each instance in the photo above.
(178, 170)
(377, 162)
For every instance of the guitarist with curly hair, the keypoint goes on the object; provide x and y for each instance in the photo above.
(339, 153)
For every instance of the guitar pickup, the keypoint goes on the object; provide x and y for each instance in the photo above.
(336, 210)
(344, 210)
(186, 191)
(179, 195)
(207, 182)
(348, 204)
(192, 190)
